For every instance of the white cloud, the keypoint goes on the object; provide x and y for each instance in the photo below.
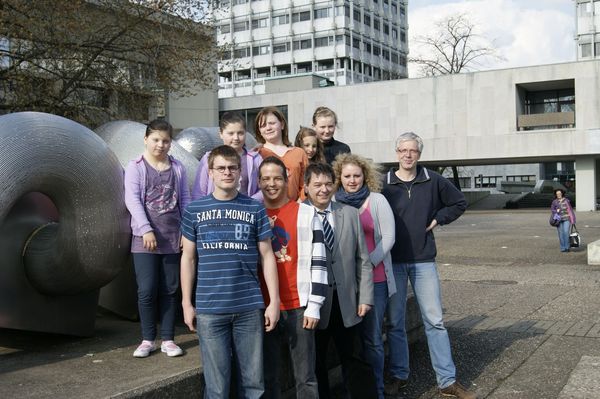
(526, 32)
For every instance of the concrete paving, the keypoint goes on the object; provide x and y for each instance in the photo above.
(523, 318)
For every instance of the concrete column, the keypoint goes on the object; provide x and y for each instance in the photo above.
(585, 177)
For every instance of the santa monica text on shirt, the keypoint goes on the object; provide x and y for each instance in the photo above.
(211, 214)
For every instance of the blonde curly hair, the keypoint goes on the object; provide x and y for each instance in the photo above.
(371, 173)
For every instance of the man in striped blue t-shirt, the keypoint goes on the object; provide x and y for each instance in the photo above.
(227, 231)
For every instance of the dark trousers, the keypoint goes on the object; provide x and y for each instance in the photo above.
(359, 381)
(301, 344)
(157, 277)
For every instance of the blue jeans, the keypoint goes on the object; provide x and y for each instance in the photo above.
(372, 334)
(301, 343)
(564, 231)
(426, 286)
(237, 336)
(157, 277)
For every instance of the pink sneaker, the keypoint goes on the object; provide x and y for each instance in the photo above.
(145, 348)
(171, 349)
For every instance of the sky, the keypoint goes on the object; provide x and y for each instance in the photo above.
(525, 32)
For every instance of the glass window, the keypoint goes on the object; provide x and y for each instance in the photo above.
(284, 70)
(402, 12)
(263, 72)
(586, 49)
(597, 48)
(542, 102)
(241, 52)
(281, 48)
(240, 26)
(356, 43)
(260, 50)
(394, 8)
(281, 20)
(322, 13)
(259, 23)
(224, 28)
(324, 41)
(304, 67)
(386, 29)
(356, 14)
(376, 24)
(395, 33)
(395, 58)
(325, 65)
(367, 47)
(386, 54)
(302, 44)
(376, 50)
(367, 20)
(403, 36)
(301, 16)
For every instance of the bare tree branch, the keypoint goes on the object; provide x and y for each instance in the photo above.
(453, 47)
(68, 56)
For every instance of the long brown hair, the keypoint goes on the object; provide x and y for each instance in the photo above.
(260, 121)
(308, 132)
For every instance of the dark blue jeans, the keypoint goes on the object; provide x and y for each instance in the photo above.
(301, 343)
(157, 277)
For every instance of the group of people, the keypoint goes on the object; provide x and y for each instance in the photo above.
(301, 244)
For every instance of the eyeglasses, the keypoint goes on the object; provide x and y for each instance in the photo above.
(230, 168)
(406, 151)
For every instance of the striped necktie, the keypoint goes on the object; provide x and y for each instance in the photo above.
(327, 230)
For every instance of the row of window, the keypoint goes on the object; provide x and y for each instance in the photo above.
(388, 7)
(305, 16)
(326, 41)
(306, 67)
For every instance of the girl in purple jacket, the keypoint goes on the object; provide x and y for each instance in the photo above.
(156, 193)
(233, 133)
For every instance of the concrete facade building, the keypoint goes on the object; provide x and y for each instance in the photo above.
(542, 114)
(343, 41)
(587, 18)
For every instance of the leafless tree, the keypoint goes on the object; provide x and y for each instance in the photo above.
(453, 47)
(99, 59)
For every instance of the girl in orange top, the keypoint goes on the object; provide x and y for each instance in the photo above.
(271, 131)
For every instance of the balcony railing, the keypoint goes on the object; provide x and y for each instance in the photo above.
(546, 120)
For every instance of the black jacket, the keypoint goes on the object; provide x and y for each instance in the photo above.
(332, 148)
(415, 204)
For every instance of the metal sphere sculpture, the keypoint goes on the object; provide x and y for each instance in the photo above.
(200, 140)
(64, 228)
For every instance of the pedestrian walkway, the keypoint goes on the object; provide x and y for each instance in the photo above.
(523, 320)
(587, 329)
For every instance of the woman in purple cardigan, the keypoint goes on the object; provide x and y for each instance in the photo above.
(562, 206)
(156, 194)
(233, 133)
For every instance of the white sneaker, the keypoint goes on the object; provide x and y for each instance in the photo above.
(145, 348)
(171, 349)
